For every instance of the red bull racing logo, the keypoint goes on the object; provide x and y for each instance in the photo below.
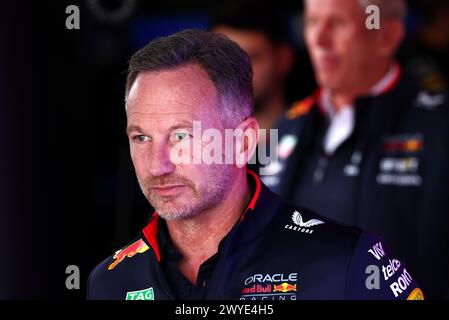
(137, 247)
(285, 287)
(277, 286)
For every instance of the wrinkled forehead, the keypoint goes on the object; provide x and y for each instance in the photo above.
(184, 92)
(184, 89)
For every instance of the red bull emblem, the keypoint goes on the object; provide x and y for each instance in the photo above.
(137, 247)
(284, 287)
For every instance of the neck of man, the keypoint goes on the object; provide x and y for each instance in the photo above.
(197, 238)
(271, 109)
(345, 96)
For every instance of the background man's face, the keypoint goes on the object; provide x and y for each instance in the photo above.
(263, 55)
(161, 108)
(339, 44)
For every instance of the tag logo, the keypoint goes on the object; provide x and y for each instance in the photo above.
(145, 294)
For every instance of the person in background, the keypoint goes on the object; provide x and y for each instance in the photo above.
(370, 147)
(426, 49)
(259, 29)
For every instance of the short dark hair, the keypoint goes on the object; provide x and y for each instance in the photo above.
(252, 15)
(227, 65)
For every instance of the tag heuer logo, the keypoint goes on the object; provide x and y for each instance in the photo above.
(302, 226)
(145, 294)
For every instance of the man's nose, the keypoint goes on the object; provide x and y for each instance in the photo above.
(323, 36)
(160, 162)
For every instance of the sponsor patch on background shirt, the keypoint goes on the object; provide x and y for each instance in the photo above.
(400, 162)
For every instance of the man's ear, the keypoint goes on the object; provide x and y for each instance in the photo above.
(246, 139)
(391, 35)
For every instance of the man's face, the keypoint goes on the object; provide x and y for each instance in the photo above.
(340, 46)
(263, 54)
(161, 108)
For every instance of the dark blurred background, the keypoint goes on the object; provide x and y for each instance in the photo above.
(68, 193)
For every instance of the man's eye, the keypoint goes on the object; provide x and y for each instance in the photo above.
(179, 136)
(140, 138)
(338, 22)
(310, 21)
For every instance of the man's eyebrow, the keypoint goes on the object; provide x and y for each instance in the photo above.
(133, 128)
(182, 124)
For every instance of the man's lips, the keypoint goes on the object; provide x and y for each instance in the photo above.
(168, 189)
(327, 62)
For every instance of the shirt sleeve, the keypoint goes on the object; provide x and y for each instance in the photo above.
(373, 274)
